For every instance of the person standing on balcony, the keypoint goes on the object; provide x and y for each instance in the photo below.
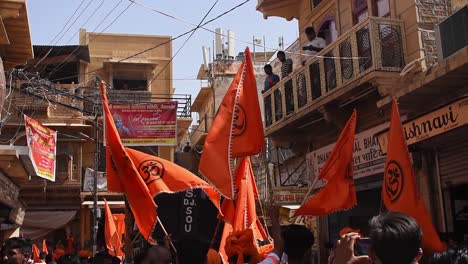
(271, 78)
(287, 64)
(313, 46)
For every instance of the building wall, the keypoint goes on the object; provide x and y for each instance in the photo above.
(115, 47)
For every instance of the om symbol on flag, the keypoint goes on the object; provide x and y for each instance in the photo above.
(151, 170)
(393, 180)
(240, 121)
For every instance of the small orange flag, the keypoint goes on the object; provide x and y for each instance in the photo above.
(113, 240)
(399, 191)
(44, 247)
(237, 130)
(35, 251)
(123, 173)
(339, 193)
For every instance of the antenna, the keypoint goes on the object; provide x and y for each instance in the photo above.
(219, 43)
(281, 43)
(205, 56)
(231, 48)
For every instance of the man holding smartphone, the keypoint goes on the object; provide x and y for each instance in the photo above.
(394, 238)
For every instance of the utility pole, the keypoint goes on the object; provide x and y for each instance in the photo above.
(96, 167)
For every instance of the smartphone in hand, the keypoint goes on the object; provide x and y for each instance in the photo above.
(362, 246)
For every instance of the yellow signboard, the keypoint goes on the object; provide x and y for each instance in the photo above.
(440, 121)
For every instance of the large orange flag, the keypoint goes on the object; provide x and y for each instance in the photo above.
(399, 191)
(121, 170)
(237, 130)
(241, 214)
(35, 251)
(113, 239)
(44, 247)
(339, 193)
(162, 176)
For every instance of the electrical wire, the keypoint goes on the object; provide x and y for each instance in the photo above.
(62, 63)
(183, 44)
(240, 40)
(161, 44)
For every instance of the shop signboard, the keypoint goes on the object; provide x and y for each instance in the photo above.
(289, 195)
(146, 124)
(368, 159)
(42, 144)
(440, 121)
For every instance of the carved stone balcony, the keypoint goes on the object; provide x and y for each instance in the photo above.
(372, 52)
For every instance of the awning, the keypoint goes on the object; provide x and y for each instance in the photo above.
(38, 224)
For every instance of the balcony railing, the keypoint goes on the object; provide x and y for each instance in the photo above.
(376, 44)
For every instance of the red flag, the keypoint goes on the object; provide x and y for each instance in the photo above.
(35, 251)
(113, 240)
(44, 247)
(399, 191)
(121, 171)
(237, 130)
(339, 193)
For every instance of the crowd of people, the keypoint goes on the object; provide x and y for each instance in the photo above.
(394, 238)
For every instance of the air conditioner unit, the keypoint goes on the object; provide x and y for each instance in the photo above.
(452, 33)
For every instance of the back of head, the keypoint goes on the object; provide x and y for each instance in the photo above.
(23, 244)
(281, 54)
(69, 259)
(42, 256)
(396, 238)
(191, 249)
(297, 241)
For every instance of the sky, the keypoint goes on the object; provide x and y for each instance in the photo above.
(47, 18)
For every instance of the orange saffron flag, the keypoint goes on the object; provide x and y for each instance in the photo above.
(121, 170)
(44, 247)
(162, 176)
(237, 130)
(241, 214)
(35, 251)
(399, 191)
(113, 239)
(339, 193)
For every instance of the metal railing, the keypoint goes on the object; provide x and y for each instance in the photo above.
(376, 44)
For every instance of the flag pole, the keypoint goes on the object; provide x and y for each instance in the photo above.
(165, 232)
(96, 167)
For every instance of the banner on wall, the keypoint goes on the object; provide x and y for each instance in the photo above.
(42, 144)
(146, 124)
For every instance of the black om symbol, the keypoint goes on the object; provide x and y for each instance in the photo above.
(151, 170)
(393, 180)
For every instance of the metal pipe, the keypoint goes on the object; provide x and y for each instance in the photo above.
(96, 167)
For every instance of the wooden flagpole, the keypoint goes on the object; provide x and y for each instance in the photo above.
(165, 232)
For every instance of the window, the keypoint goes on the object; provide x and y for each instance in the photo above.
(328, 31)
(129, 84)
(383, 8)
(361, 12)
(380, 8)
(315, 3)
